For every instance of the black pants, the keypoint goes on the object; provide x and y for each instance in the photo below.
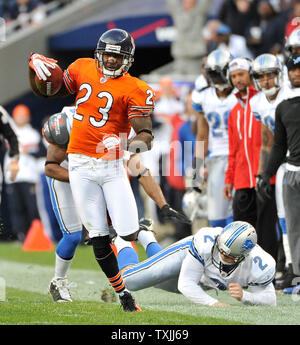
(244, 205)
(266, 225)
(22, 207)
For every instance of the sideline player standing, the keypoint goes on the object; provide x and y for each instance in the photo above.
(267, 75)
(214, 104)
(287, 137)
(108, 102)
(7, 131)
(222, 258)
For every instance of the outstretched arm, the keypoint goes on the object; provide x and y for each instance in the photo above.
(258, 295)
(143, 140)
(41, 66)
(188, 283)
(153, 190)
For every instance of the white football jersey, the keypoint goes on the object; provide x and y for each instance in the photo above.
(257, 269)
(264, 110)
(216, 111)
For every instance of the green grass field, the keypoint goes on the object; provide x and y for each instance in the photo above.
(26, 276)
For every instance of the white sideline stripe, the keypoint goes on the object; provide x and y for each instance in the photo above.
(87, 286)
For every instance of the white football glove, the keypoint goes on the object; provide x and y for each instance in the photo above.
(111, 142)
(41, 64)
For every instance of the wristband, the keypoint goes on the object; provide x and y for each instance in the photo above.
(51, 162)
(146, 131)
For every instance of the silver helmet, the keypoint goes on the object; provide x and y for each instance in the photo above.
(236, 240)
(194, 204)
(263, 64)
(293, 41)
(216, 68)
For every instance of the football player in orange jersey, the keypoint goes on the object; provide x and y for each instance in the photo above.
(109, 101)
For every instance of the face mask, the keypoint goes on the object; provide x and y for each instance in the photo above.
(270, 92)
(221, 87)
(224, 262)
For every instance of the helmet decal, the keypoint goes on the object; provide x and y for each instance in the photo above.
(248, 244)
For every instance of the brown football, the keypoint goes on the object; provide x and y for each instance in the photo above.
(53, 83)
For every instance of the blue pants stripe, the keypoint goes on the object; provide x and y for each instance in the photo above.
(157, 257)
(56, 207)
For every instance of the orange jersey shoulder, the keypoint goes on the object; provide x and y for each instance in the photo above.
(103, 106)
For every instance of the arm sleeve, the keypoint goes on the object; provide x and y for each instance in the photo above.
(197, 101)
(6, 128)
(260, 295)
(70, 77)
(141, 102)
(279, 149)
(189, 277)
(229, 174)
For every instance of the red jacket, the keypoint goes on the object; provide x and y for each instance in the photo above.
(244, 134)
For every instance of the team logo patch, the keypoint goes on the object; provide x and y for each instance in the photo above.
(112, 48)
(248, 245)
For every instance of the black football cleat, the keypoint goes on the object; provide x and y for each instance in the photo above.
(128, 303)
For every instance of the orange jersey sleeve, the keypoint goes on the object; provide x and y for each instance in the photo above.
(104, 106)
(141, 101)
(70, 76)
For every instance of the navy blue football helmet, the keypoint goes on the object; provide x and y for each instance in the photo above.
(119, 42)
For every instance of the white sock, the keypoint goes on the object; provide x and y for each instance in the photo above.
(120, 243)
(146, 237)
(61, 267)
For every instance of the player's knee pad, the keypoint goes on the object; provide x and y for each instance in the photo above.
(131, 237)
(68, 244)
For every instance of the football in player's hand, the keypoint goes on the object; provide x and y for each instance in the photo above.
(53, 83)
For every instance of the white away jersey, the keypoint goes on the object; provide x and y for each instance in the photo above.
(257, 269)
(264, 110)
(216, 111)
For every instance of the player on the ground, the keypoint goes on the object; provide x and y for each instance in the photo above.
(214, 104)
(221, 258)
(56, 131)
(109, 101)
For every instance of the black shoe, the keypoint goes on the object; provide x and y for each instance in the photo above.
(128, 303)
(287, 280)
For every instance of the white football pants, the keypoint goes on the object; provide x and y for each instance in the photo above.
(99, 185)
(160, 270)
(64, 206)
(217, 206)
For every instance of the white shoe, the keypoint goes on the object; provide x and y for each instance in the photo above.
(59, 290)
